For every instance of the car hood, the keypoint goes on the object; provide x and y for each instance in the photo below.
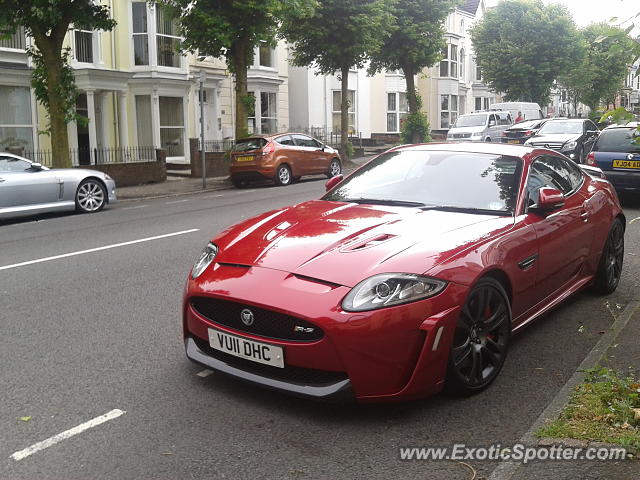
(344, 243)
(78, 172)
(554, 138)
(478, 129)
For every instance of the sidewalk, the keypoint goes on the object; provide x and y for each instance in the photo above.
(175, 186)
(622, 353)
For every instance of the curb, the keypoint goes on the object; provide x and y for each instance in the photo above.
(507, 469)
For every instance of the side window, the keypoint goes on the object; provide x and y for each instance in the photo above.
(504, 119)
(304, 141)
(548, 171)
(492, 120)
(573, 173)
(11, 164)
(285, 140)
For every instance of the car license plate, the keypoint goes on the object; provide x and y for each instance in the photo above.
(513, 141)
(626, 164)
(245, 348)
(245, 158)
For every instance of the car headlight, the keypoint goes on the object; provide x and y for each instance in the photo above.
(204, 260)
(389, 289)
(476, 135)
(570, 145)
(107, 177)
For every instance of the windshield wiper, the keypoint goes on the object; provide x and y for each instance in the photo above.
(384, 201)
(453, 208)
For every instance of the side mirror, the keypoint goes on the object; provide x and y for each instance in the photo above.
(333, 181)
(593, 132)
(36, 166)
(549, 199)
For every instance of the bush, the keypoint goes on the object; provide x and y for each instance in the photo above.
(415, 124)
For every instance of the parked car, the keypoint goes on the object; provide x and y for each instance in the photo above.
(521, 132)
(28, 188)
(618, 155)
(571, 137)
(530, 110)
(283, 158)
(480, 127)
(409, 275)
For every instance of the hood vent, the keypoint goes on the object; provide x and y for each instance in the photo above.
(367, 243)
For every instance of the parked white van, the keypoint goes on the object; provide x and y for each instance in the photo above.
(480, 127)
(529, 110)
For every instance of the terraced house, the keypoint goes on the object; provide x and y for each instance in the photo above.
(138, 92)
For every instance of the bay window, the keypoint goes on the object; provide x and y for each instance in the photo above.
(16, 124)
(449, 62)
(140, 33)
(337, 111)
(172, 125)
(448, 110)
(397, 110)
(167, 39)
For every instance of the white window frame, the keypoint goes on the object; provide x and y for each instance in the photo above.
(257, 118)
(31, 108)
(257, 57)
(96, 57)
(183, 127)
(449, 62)
(452, 114)
(351, 112)
(19, 36)
(397, 113)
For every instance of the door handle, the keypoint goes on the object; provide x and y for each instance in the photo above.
(584, 216)
(2, 179)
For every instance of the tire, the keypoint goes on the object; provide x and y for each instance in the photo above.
(238, 183)
(283, 175)
(481, 339)
(334, 168)
(91, 196)
(610, 265)
(488, 139)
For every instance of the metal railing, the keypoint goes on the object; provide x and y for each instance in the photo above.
(95, 156)
(327, 136)
(217, 145)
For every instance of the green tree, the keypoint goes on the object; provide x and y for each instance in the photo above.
(337, 37)
(601, 74)
(522, 46)
(47, 22)
(232, 29)
(415, 41)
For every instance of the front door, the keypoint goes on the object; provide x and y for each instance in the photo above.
(20, 185)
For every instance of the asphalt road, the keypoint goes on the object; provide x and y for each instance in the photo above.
(88, 334)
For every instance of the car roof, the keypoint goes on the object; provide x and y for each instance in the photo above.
(266, 136)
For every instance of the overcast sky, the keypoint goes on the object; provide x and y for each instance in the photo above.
(589, 11)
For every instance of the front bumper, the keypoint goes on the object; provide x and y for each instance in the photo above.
(389, 354)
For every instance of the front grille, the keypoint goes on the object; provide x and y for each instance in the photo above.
(460, 135)
(266, 323)
(551, 145)
(291, 374)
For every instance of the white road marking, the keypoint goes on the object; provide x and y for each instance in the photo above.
(213, 196)
(637, 218)
(36, 447)
(204, 373)
(136, 207)
(91, 250)
(246, 191)
(176, 201)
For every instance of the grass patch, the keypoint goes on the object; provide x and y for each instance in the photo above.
(605, 408)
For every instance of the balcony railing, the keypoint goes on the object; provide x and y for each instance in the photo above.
(17, 41)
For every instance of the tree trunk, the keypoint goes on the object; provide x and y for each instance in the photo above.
(239, 55)
(344, 113)
(57, 122)
(412, 97)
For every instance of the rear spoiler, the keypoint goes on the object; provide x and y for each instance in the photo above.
(593, 171)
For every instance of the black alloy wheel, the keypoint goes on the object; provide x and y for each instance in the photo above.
(481, 339)
(610, 266)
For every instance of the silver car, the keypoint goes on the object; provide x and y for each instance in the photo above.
(28, 188)
(480, 127)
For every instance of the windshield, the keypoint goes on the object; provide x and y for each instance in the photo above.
(567, 128)
(419, 178)
(618, 140)
(249, 144)
(471, 121)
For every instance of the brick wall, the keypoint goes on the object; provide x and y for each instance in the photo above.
(215, 162)
(137, 173)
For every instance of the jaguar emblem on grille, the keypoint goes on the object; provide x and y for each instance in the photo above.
(246, 316)
(301, 329)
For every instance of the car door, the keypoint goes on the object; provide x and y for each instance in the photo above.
(305, 153)
(564, 236)
(493, 128)
(22, 185)
(589, 138)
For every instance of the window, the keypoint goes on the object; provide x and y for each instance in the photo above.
(16, 128)
(167, 39)
(449, 63)
(304, 141)
(448, 110)
(140, 33)
(463, 59)
(478, 72)
(265, 55)
(554, 172)
(336, 117)
(17, 41)
(172, 126)
(11, 164)
(83, 45)
(143, 120)
(397, 110)
(285, 140)
(268, 113)
(483, 103)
